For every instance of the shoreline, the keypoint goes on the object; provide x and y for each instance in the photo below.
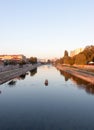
(78, 72)
(11, 74)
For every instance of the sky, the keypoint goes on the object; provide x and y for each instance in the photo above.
(45, 28)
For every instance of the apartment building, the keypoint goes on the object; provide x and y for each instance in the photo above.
(12, 57)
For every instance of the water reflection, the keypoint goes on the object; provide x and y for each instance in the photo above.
(31, 106)
(89, 88)
(33, 72)
(66, 75)
(48, 66)
(12, 83)
(23, 76)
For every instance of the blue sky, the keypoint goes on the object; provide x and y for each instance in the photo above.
(45, 28)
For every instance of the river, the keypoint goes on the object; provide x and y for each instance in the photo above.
(66, 103)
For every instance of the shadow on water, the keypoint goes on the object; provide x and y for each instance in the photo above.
(88, 87)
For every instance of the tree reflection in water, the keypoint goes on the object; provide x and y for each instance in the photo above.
(33, 72)
(12, 83)
(23, 76)
(89, 88)
(66, 75)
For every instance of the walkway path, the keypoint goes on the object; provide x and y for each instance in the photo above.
(80, 73)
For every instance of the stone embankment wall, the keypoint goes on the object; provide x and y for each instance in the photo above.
(8, 67)
(12, 72)
(86, 67)
(78, 72)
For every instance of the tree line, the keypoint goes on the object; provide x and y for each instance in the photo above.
(31, 60)
(84, 57)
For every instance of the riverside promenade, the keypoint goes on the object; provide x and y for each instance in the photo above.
(81, 73)
(14, 72)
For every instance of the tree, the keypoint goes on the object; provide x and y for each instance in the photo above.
(61, 61)
(67, 60)
(65, 53)
(33, 60)
(80, 59)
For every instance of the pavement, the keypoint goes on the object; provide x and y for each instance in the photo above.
(78, 72)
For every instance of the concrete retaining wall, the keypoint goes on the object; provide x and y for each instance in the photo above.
(10, 74)
(82, 74)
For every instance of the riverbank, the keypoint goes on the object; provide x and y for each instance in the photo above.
(79, 72)
(13, 73)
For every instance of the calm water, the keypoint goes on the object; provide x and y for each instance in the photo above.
(65, 104)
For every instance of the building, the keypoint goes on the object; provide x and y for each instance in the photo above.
(43, 60)
(76, 51)
(13, 57)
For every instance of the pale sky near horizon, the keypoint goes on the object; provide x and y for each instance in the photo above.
(45, 28)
